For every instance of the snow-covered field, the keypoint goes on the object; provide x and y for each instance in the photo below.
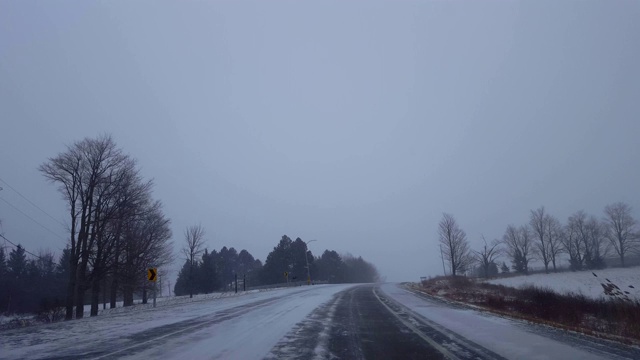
(230, 327)
(580, 282)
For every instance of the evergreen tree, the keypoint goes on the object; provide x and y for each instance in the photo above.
(207, 280)
(504, 268)
(3, 265)
(182, 282)
(17, 264)
(278, 261)
(493, 269)
(4, 281)
(329, 267)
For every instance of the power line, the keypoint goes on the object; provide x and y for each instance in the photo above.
(30, 202)
(25, 250)
(32, 219)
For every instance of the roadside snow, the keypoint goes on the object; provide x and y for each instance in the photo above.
(508, 338)
(580, 282)
(236, 327)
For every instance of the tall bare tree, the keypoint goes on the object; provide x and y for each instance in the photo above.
(79, 172)
(537, 221)
(454, 244)
(99, 182)
(572, 243)
(621, 229)
(146, 244)
(585, 241)
(194, 238)
(487, 255)
(519, 246)
(596, 246)
(553, 229)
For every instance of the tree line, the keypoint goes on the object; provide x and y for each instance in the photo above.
(30, 284)
(116, 228)
(584, 240)
(205, 272)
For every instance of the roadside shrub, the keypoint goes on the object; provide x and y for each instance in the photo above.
(51, 310)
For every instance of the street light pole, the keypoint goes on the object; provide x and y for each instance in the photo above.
(306, 245)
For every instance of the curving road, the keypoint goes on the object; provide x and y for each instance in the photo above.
(319, 322)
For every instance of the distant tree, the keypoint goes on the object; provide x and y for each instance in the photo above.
(487, 255)
(194, 240)
(330, 267)
(572, 240)
(519, 246)
(62, 273)
(17, 264)
(17, 267)
(4, 281)
(454, 244)
(554, 229)
(227, 266)
(245, 262)
(299, 256)
(357, 270)
(504, 268)
(595, 244)
(3, 264)
(278, 261)
(181, 286)
(538, 220)
(620, 229)
(587, 245)
(207, 279)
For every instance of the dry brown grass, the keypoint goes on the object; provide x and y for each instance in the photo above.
(614, 319)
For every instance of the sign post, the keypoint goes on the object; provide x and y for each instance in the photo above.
(152, 275)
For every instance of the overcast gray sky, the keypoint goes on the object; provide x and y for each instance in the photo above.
(354, 123)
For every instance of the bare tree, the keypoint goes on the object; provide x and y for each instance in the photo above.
(572, 243)
(553, 229)
(519, 247)
(487, 255)
(79, 172)
(105, 196)
(454, 244)
(621, 229)
(585, 241)
(146, 244)
(537, 222)
(134, 203)
(194, 238)
(595, 244)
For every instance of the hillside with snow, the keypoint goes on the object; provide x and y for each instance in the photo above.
(581, 282)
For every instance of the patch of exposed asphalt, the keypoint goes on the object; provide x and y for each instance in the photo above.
(354, 324)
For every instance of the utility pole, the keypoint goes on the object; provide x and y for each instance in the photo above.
(306, 250)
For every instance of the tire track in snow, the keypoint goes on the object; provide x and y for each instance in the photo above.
(144, 340)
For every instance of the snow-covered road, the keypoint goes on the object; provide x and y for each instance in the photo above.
(243, 327)
(315, 322)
